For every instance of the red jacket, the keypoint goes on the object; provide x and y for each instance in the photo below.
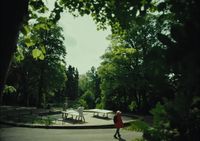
(119, 122)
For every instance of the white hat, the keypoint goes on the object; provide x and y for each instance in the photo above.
(118, 112)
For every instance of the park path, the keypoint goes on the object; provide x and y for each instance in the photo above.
(9, 133)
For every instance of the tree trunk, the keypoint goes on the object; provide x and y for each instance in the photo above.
(12, 14)
(40, 87)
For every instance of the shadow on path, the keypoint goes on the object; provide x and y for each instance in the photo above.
(121, 139)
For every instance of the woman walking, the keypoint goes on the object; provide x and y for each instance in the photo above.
(118, 124)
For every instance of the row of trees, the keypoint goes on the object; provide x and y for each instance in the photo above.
(134, 70)
(38, 74)
(38, 55)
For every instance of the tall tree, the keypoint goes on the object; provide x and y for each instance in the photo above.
(42, 71)
(72, 83)
(11, 24)
(13, 20)
(134, 62)
(89, 87)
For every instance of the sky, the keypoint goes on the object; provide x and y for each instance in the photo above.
(84, 44)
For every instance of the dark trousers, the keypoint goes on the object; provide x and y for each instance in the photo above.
(117, 133)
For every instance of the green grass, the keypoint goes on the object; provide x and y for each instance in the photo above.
(138, 126)
(46, 121)
(32, 119)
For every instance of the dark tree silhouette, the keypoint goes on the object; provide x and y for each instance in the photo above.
(12, 15)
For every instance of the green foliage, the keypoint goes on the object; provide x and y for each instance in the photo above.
(115, 72)
(157, 134)
(139, 126)
(39, 69)
(159, 114)
(46, 121)
(131, 70)
(29, 42)
(37, 5)
(55, 14)
(161, 129)
(88, 96)
(139, 139)
(107, 12)
(184, 116)
(37, 54)
(71, 89)
(146, 49)
(36, 9)
(9, 89)
(99, 106)
(19, 56)
(132, 106)
(89, 88)
(182, 64)
(83, 102)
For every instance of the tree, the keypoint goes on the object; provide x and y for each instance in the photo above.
(94, 83)
(89, 88)
(72, 83)
(135, 61)
(116, 77)
(51, 44)
(12, 21)
(109, 11)
(42, 71)
(20, 12)
(182, 60)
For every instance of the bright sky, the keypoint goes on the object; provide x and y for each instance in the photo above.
(84, 44)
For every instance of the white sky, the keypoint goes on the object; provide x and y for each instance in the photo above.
(84, 44)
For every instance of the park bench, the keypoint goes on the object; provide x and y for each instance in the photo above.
(75, 114)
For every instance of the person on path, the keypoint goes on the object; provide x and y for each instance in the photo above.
(118, 124)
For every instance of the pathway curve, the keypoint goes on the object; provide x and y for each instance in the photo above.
(9, 133)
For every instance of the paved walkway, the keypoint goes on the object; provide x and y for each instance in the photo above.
(9, 133)
(90, 120)
(99, 131)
